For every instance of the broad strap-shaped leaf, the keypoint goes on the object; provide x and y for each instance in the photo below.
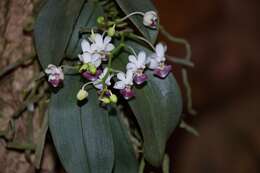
(66, 127)
(87, 18)
(157, 107)
(81, 133)
(53, 29)
(125, 160)
(97, 135)
(129, 6)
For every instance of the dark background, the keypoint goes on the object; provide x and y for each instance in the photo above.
(225, 82)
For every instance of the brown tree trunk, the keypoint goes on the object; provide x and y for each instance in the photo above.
(16, 43)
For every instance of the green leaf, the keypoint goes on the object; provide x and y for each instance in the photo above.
(66, 127)
(157, 107)
(125, 160)
(88, 16)
(97, 135)
(81, 134)
(53, 29)
(129, 6)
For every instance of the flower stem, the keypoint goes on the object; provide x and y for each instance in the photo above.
(126, 17)
(132, 50)
(86, 84)
(137, 37)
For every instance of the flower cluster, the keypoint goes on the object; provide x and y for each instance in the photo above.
(97, 49)
(94, 52)
(135, 70)
(100, 78)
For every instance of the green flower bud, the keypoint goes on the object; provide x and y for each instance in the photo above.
(113, 98)
(101, 20)
(82, 94)
(111, 31)
(105, 100)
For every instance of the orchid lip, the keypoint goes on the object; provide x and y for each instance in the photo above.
(140, 78)
(55, 82)
(127, 93)
(163, 72)
(154, 24)
(91, 77)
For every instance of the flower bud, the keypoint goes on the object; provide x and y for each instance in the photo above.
(82, 94)
(105, 100)
(113, 98)
(101, 20)
(150, 19)
(111, 31)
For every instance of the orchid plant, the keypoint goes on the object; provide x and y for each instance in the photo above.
(104, 63)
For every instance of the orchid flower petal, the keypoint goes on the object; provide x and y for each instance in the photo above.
(119, 85)
(121, 76)
(153, 63)
(85, 46)
(109, 47)
(107, 40)
(141, 59)
(132, 59)
(131, 66)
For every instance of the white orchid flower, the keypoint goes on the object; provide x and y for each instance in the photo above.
(125, 84)
(158, 57)
(89, 55)
(137, 66)
(157, 61)
(124, 80)
(55, 75)
(136, 63)
(102, 46)
(98, 83)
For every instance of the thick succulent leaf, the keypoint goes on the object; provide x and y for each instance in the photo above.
(125, 160)
(97, 135)
(157, 107)
(87, 18)
(129, 6)
(53, 29)
(66, 127)
(81, 133)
